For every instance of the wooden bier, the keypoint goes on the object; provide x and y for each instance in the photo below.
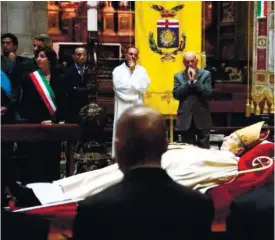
(37, 132)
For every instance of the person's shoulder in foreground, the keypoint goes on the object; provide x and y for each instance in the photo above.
(147, 198)
(252, 215)
(125, 211)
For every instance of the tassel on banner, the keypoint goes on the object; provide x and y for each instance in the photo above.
(258, 110)
(252, 108)
(247, 109)
(266, 110)
(272, 108)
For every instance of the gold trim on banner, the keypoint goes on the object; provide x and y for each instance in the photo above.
(272, 108)
(258, 93)
(266, 110)
(262, 86)
(269, 95)
(258, 110)
(247, 109)
(252, 107)
(164, 96)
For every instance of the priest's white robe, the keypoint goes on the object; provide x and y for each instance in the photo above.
(190, 166)
(128, 87)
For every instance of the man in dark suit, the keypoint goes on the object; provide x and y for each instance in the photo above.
(8, 169)
(192, 88)
(9, 45)
(8, 96)
(252, 215)
(147, 203)
(7, 66)
(21, 65)
(76, 80)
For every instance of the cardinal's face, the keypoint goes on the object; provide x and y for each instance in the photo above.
(233, 144)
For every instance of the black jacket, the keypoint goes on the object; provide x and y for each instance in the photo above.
(77, 94)
(193, 100)
(15, 226)
(7, 66)
(252, 215)
(146, 204)
(32, 107)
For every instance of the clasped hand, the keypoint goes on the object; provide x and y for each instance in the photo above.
(132, 65)
(191, 73)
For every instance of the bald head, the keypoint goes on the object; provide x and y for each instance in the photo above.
(141, 137)
(190, 60)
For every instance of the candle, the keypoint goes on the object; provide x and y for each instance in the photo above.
(92, 16)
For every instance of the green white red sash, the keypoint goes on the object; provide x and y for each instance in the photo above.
(44, 89)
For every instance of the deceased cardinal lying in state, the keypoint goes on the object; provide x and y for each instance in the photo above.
(197, 168)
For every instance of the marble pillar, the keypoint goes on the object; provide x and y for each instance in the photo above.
(24, 19)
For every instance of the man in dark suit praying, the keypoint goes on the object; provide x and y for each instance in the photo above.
(147, 203)
(192, 88)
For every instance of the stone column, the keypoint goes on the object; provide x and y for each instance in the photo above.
(25, 20)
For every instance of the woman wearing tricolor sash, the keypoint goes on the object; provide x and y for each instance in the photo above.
(43, 101)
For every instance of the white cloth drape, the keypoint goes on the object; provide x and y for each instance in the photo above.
(189, 166)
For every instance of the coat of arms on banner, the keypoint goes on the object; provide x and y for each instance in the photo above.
(168, 35)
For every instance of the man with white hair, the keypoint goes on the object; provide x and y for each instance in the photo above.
(192, 88)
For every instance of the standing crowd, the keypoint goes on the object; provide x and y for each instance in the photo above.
(40, 91)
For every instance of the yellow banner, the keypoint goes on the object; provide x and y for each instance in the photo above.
(163, 32)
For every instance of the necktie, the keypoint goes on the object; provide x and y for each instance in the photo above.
(81, 71)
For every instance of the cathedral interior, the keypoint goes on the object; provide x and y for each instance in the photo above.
(227, 39)
(239, 56)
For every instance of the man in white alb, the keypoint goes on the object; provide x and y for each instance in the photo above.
(130, 81)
